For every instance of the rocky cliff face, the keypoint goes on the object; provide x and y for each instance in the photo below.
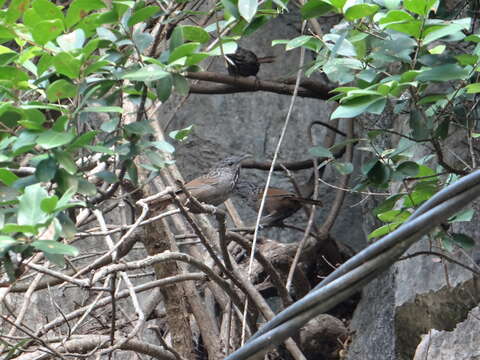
(415, 295)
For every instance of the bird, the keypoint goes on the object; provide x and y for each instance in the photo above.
(279, 203)
(245, 63)
(212, 188)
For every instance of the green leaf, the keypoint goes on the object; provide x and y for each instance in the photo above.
(229, 47)
(360, 10)
(15, 10)
(139, 128)
(247, 9)
(105, 34)
(473, 88)
(143, 14)
(320, 151)
(35, 119)
(379, 174)
(147, 73)
(338, 44)
(68, 230)
(406, 169)
(195, 33)
(467, 59)
(72, 41)
(5, 243)
(359, 105)
(61, 89)
(444, 72)
(420, 7)
(47, 9)
(315, 8)
(163, 88)
(108, 176)
(97, 66)
(473, 38)
(402, 21)
(298, 41)
(29, 211)
(47, 30)
(66, 161)
(100, 149)
(398, 216)
(437, 50)
(67, 65)
(180, 84)
(46, 169)
(103, 109)
(65, 199)
(437, 32)
(51, 139)
(419, 195)
(12, 74)
(55, 247)
(49, 204)
(86, 188)
(79, 9)
(420, 130)
(181, 134)
(383, 230)
(157, 160)
(7, 177)
(464, 241)
(6, 54)
(82, 140)
(61, 124)
(132, 172)
(14, 228)
(163, 146)
(110, 126)
(142, 40)
(44, 63)
(183, 50)
(25, 142)
(176, 38)
(344, 168)
(462, 216)
(387, 204)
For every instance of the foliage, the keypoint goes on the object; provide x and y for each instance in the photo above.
(401, 54)
(58, 65)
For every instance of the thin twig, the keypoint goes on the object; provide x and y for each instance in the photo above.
(269, 178)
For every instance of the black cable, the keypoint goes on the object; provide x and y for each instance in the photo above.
(366, 265)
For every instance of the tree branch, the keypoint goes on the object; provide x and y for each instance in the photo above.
(234, 84)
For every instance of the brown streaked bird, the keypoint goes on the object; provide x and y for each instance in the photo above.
(279, 203)
(212, 188)
(245, 63)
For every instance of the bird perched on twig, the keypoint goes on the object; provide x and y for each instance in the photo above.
(245, 63)
(213, 188)
(279, 204)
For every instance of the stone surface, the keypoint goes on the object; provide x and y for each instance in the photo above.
(252, 123)
(460, 344)
(415, 296)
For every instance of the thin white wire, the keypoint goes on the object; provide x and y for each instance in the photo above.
(270, 172)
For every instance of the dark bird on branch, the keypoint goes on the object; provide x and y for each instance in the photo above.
(212, 188)
(279, 204)
(245, 63)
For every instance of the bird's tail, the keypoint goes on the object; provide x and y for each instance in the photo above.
(308, 201)
(266, 60)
